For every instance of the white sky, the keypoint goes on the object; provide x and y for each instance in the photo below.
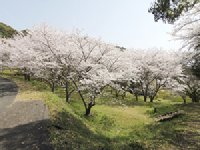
(123, 22)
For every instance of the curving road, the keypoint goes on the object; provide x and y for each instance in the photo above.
(23, 125)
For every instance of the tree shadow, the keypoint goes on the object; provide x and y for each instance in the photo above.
(29, 136)
(127, 143)
(69, 132)
(183, 139)
(181, 132)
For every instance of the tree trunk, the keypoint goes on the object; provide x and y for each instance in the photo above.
(67, 91)
(145, 91)
(116, 94)
(25, 77)
(87, 113)
(53, 87)
(28, 77)
(124, 95)
(155, 110)
(194, 97)
(145, 98)
(184, 99)
(136, 97)
(151, 99)
(88, 109)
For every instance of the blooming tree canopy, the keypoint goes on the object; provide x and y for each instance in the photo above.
(87, 64)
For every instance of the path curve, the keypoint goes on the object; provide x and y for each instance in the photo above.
(23, 125)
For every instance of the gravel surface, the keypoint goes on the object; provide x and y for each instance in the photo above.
(23, 125)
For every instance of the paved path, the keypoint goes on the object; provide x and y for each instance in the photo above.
(23, 125)
(8, 91)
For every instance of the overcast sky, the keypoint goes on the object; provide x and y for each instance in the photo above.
(123, 22)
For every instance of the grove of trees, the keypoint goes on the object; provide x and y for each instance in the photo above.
(184, 14)
(87, 65)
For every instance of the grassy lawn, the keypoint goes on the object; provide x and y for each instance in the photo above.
(115, 124)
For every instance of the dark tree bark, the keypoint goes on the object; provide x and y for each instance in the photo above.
(136, 97)
(53, 87)
(194, 97)
(116, 94)
(155, 110)
(67, 91)
(124, 95)
(145, 91)
(184, 99)
(145, 98)
(88, 109)
(158, 86)
(152, 98)
(82, 98)
(87, 106)
(87, 113)
(27, 77)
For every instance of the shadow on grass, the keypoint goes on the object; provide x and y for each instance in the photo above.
(183, 139)
(181, 132)
(69, 132)
(30, 136)
(126, 143)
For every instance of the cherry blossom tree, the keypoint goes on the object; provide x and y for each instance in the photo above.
(97, 66)
(4, 55)
(73, 58)
(54, 54)
(187, 31)
(152, 70)
(21, 55)
(87, 64)
(45, 52)
(188, 85)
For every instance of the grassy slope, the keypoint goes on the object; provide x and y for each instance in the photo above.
(116, 124)
(6, 31)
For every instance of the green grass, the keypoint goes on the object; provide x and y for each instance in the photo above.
(115, 124)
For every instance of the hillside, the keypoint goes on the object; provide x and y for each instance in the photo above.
(116, 124)
(6, 31)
